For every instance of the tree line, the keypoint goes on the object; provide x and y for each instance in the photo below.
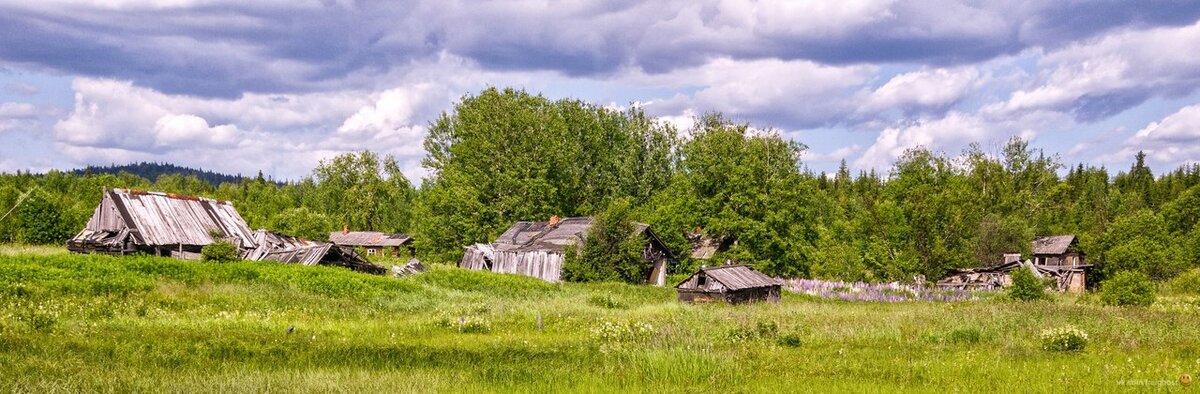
(505, 155)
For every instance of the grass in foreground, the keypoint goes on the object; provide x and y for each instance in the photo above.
(97, 323)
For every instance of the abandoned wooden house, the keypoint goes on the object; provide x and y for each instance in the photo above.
(538, 249)
(1058, 250)
(272, 246)
(1066, 278)
(1057, 257)
(375, 243)
(162, 224)
(734, 284)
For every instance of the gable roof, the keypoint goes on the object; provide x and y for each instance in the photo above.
(154, 218)
(735, 277)
(1056, 244)
(523, 236)
(368, 238)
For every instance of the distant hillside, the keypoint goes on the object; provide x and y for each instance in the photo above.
(152, 171)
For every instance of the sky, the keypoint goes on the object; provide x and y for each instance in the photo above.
(277, 86)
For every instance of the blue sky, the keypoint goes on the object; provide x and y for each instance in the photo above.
(238, 87)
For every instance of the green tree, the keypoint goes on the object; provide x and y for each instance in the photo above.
(1026, 286)
(612, 250)
(1127, 288)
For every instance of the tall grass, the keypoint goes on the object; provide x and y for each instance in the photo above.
(96, 323)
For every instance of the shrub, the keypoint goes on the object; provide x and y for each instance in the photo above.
(790, 339)
(1187, 282)
(760, 330)
(966, 336)
(1128, 288)
(219, 252)
(605, 301)
(1063, 339)
(1026, 286)
(612, 250)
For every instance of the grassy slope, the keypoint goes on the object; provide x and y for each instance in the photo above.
(94, 323)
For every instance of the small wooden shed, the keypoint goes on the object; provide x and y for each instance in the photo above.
(734, 284)
(375, 243)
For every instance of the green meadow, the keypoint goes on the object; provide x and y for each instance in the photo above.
(81, 323)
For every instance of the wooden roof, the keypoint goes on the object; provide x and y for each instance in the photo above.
(556, 237)
(153, 218)
(735, 277)
(1056, 244)
(368, 238)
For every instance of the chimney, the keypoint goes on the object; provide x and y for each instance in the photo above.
(554, 220)
(345, 229)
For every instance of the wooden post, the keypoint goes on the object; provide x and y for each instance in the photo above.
(539, 315)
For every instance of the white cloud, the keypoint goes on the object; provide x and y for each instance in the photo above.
(1170, 142)
(836, 155)
(952, 133)
(771, 92)
(1182, 126)
(926, 88)
(1100, 78)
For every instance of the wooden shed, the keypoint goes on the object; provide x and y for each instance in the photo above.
(374, 242)
(163, 224)
(734, 284)
(538, 249)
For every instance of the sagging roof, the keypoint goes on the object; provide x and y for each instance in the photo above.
(735, 277)
(153, 218)
(1056, 244)
(368, 238)
(556, 236)
(705, 246)
(129, 221)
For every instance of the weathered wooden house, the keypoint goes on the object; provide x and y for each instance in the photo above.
(734, 284)
(1058, 250)
(272, 246)
(375, 243)
(538, 249)
(132, 221)
(1066, 278)
(1057, 257)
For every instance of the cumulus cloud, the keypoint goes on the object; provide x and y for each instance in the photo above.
(1171, 141)
(953, 132)
(114, 121)
(924, 89)
(225, 48)
(1098, 79)
(777, 93)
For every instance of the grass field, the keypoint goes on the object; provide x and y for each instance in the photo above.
(71, 323)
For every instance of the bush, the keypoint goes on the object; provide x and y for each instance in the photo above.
(1064, 339)
(1187, 282)
(219, 252)
(790, 339)
(1128, 288)
(612, 250)
(966, 336)
(760, 330)
(1026, 286)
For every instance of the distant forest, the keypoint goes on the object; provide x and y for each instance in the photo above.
(151, 171)
(506, 155)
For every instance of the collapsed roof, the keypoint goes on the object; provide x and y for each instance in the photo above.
(130, 221)
(368, 238)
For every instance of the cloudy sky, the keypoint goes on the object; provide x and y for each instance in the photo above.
(239, 86)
